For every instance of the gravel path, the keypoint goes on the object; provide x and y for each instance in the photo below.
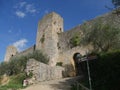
(61, 84)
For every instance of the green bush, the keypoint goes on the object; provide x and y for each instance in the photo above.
(15, 82)
(105, 71)
(16, 69)
(30, 74)
(38, 55)
(59, 63)
(18, 64)
(75, 40)
(42, 39)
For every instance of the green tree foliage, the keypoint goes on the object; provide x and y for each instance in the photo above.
(103, 37)
(38, 55)
(105, 71)
(59, 64)
(42, 39)
(18, 64)
(16, 69)
(75, 40)
(15, 82)
(116, 3)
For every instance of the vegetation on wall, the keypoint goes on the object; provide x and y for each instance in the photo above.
(59, 63)
(42, 39)
(75, 40)
(103, 37)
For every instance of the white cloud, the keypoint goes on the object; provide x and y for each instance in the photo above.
(20, 44)
(20, 14)
(22, 4)
(30, 8)
(22, 9)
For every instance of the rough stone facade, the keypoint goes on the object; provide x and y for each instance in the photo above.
(47, 36)
(43, 72)
(10, 52)
(27, 51)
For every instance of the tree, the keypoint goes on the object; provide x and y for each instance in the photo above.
(75, 40)
(103, 37)
(116, 3)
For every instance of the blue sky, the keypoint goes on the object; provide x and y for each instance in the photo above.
(19, 18)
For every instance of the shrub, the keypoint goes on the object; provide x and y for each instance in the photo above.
(16, 69)
(59, 64)
(42, 39)
(30, 74)
(105, 71)
(18, 64)
(38, 55)
(75, 41)
(15, 82)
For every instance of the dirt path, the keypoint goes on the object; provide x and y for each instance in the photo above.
(61, 84)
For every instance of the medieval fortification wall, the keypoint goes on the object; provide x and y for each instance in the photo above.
(55, 43)
(27, 51)
(47, 36)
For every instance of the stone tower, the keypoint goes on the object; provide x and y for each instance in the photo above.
(10, 52)
(47, 36)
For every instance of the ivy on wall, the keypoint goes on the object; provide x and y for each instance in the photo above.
(75, 40)
(42, 39)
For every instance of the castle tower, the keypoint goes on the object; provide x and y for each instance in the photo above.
(47, 36)
(10, 52)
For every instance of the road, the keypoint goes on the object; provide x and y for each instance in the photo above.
(60, 84)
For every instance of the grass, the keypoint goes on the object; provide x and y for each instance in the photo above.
(15, 82)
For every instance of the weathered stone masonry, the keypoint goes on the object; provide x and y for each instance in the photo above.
(55, 43)
(52, 41)
(47, 36)
(43, 72)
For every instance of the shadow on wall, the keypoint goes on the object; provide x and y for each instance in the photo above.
(68, 71)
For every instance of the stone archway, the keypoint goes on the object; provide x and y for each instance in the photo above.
(78, 66)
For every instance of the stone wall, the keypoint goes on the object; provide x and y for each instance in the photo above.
(27, 51)
(67, 58)
(10, 52)
(52, 41)
(43, 72)
(108, 18)
(47, 36)
(64, 38)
